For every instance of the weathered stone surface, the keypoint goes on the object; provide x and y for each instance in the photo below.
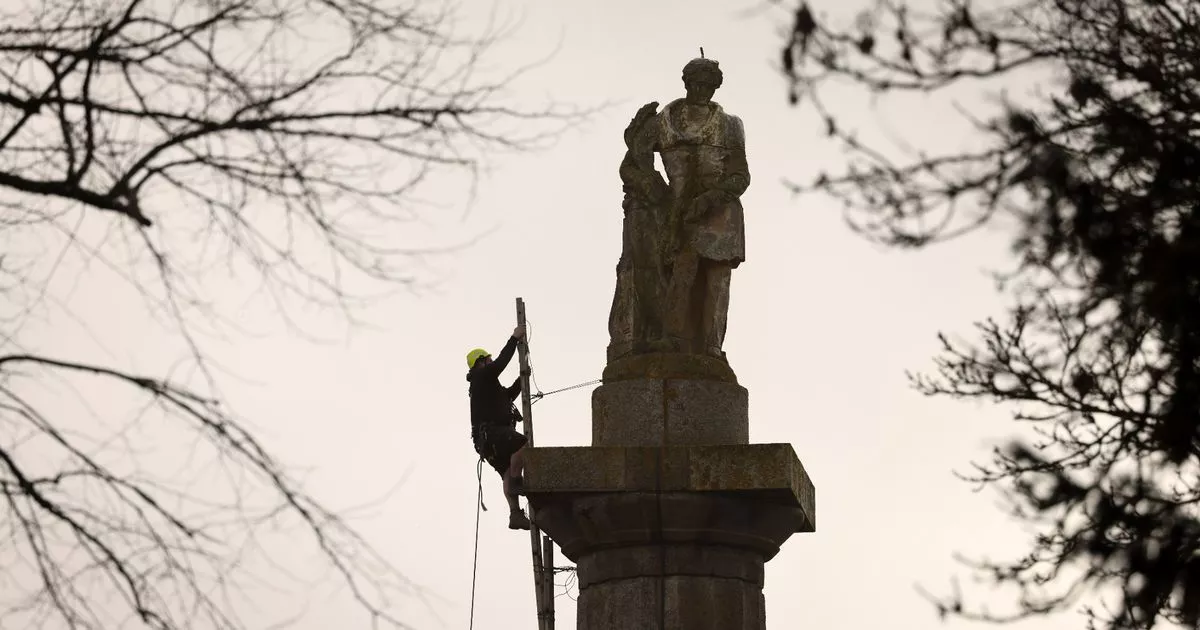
(677, 560)
(680, 602)
(670, 559)
(768, 473)
(682, 236)
(681, 560)
(652, 412)
(669, 365)
(635, 322)
(584, 525)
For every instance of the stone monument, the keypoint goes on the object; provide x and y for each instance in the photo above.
(671, 513)
(682, 237)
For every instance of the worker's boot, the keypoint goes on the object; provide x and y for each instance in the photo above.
(518, 520)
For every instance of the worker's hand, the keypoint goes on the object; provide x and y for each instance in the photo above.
(519, 333)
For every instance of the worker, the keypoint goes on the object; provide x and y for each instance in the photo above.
(494, 420)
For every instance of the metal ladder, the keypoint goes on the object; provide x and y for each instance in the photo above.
(542, 546)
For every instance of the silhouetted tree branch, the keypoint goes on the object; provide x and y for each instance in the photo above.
(159, 139)
(1101, 352)
(152, 545)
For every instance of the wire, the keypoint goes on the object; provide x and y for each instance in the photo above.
(538, 394)
(529, 360)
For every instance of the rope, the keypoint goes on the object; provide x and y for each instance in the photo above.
(479, 479)
(538, 394)
(478, 506)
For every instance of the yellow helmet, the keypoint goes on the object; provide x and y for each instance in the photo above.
(475, 355)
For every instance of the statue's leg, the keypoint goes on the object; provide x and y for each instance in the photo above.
(650, 304)
(680, 305)
(716, 276)
(661, 304)
(660, 340)
(647, 289)
(658, 292)
(644, 319)
(643, 281)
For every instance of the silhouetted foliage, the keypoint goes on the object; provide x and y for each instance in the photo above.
(160, 141)
(1101, 352)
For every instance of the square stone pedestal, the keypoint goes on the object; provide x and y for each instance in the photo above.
(670, 537)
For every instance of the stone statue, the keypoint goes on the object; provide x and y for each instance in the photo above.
(635, 322)
(682, 239)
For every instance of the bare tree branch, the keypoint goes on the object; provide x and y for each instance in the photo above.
(149, 142)
(1100, 353)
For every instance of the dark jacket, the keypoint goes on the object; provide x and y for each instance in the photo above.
(491, 402)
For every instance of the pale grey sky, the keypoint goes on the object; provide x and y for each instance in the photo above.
(822, 327)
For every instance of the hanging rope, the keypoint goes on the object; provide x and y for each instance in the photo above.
(478, 506)
(479, 479)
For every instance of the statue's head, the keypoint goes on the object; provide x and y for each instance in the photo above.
(701, 78)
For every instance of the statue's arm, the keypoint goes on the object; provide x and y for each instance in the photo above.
(737, 171)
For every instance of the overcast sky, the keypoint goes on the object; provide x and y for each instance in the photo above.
(822, 327)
